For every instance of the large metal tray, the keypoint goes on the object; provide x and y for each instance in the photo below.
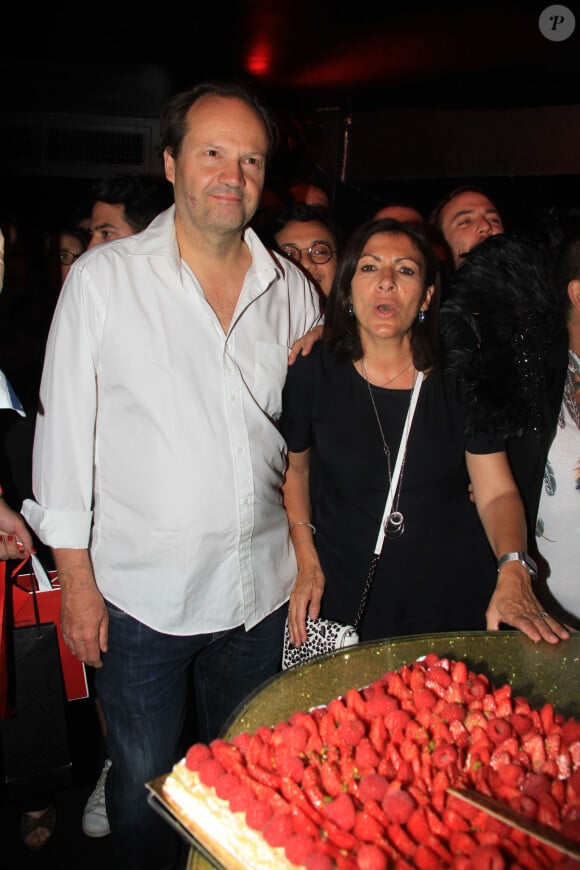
(540, 672)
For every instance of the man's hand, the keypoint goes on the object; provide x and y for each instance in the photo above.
(305, 344)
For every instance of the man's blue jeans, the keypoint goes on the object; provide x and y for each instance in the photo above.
(143, 688)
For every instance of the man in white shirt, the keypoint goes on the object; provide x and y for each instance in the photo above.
(158, 460)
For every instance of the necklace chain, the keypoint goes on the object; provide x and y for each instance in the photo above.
(395, 524)
(390, 380)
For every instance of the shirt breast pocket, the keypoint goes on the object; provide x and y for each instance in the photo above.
(271, 366)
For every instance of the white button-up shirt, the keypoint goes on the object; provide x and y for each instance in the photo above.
(156, 441)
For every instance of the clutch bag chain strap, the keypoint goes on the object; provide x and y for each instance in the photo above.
(389, 503)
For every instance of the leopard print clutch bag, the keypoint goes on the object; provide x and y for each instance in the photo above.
(323, 636)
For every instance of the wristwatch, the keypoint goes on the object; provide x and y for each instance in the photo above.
(523, 558)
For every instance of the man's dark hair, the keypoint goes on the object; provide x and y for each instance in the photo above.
(304, 213)
(142, 197)
(435, 216)
(340, 332)
(173, 120)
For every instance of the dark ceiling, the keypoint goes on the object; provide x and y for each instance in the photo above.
(122, 61)
(303, 53)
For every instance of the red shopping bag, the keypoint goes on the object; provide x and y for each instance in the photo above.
(48, 598)
(6, 708)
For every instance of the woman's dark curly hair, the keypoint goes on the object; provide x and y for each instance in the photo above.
(341, 334)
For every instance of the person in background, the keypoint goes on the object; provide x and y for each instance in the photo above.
(505, 343)
(449, 564)
(463, 218)
(124, 205)
(558, 524)
(308, 234)
(309, 193)
(37, 811)
(404, 213)
(169, 519)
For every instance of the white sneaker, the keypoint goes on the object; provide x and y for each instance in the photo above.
(95, 821)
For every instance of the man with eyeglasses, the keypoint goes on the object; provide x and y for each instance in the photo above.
(307, 235)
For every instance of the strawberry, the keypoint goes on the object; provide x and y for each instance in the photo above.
(209, 771)
(241, 798)
(548, 811)
(380, 705)
(417, 825)
(338, 710)
(455, 821)
(425, 858)
(499, 730)
(536, 784)
(534, 747)
(318, 861)
(462, 843)
(293, 737)
(228, 755)
(459, 734)
(573, 787)
(370, 857)
(226, 785)
(436, 824)
(242, 741)
(424, 699)
(396, 686)
(257, 814)
(367, 828)
(547, 717)
(445, 756)
(365, 756)
(303, 824)
(341, 811)
(356, 703)
(401, 841)
(278, 830)
(292, 767)
(570, 731)
(512, 774)
(398, 806)
(524, 804)
(521, 723)
(459, 672)
(503, 701)
(487, 858)
(298, 848)
(351, 731)
(397, 720)
(378, 733)
(330, 779)
(372, 786)
(196, 754)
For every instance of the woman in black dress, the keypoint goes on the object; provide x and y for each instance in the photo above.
(344, 406)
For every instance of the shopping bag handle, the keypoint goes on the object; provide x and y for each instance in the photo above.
(42, 578)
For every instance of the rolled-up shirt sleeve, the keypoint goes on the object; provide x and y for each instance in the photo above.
(61, 513)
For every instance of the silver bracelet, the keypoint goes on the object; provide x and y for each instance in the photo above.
(302, 523)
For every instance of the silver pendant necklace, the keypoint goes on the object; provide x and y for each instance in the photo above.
(395, 522)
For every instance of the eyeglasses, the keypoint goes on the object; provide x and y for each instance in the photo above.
(318, 252)
(67, 258)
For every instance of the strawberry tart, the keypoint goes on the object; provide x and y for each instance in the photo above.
(364, 782)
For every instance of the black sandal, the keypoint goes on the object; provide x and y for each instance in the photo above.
(30, 824)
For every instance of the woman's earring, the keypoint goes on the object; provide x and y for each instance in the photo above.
(350, 310)
(422, 315)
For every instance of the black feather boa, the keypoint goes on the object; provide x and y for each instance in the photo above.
(498, 324)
